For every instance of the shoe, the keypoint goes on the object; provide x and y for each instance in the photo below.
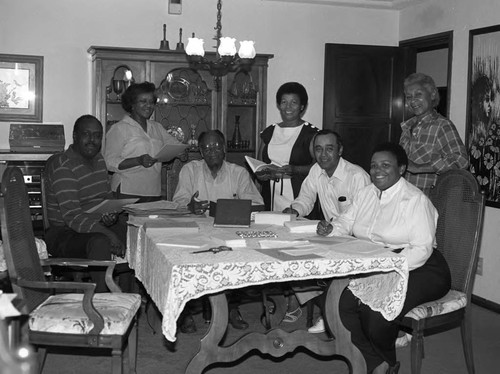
(236, 320)
(293, 316)
(188, 326)
(393, 369)
(318, 327)
(403, 341)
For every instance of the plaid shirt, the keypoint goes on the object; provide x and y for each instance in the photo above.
(434, 141)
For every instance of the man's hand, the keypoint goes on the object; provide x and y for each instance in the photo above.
(146, 160)
(290, 210)
(197, 206)
(324, 228)
(109, 219)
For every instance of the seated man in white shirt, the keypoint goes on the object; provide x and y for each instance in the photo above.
(212, 178)
(202, 181)
(335, 181)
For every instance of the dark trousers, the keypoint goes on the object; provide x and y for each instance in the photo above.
(67, 243)
(371, 332)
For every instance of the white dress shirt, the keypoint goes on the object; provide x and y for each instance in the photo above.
(127, 139)
(347, 180)
(399, 217)
(232, 182)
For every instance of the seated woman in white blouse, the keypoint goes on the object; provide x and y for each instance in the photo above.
(393, 212)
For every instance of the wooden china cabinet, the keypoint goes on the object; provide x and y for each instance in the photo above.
(189, 101)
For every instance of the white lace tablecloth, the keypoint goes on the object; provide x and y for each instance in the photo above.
(173, 275)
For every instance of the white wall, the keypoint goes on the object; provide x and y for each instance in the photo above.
(63, 30)
(461, 16)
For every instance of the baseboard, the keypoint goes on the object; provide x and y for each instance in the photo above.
(487, 304)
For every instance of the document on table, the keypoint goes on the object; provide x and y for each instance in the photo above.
(111, 206)
(360, 247)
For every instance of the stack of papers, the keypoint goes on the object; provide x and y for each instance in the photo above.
(161, 207)
(111, 206)
(302, 226)
(273, 218)
(176, 227)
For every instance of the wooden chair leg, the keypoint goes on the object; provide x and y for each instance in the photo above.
(417, 351)
(466, 331)
(132, 349)
(310, 313)
(42, 355)
(116, 361)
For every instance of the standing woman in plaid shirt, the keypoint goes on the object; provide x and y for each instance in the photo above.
(430, 140)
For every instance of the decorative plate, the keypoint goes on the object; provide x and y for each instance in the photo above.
(178, 88)
(177, 133)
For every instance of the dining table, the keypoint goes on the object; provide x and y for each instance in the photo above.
(173, 258)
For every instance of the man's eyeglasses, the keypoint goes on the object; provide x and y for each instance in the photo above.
(212, 148)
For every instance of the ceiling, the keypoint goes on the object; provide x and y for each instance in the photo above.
(373, 4)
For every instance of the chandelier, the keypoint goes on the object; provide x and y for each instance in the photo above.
(226, 59)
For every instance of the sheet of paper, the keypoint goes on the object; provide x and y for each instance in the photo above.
(170, 151)
(6, 307)
(111, 206)
(360, 247)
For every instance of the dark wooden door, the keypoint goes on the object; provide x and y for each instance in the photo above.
(363, 97)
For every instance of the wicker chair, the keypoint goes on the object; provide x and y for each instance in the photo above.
(460, 204)
(107, 320)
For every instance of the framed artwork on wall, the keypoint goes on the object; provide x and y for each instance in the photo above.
(21, 88)
(483, 110)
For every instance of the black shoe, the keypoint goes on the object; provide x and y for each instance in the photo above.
(394, 369)
(236, 320)
(188, 326)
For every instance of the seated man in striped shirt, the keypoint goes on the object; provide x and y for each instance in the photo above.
(77, 179)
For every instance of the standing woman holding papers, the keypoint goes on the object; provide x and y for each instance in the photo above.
(287, 146)
(132, 144)
(393, 212)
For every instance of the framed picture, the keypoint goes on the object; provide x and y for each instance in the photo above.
(21, 88)
(483, 110)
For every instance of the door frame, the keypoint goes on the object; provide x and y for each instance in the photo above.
(425, 44)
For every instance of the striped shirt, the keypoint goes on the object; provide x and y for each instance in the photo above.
(74, 185)
(434, 141)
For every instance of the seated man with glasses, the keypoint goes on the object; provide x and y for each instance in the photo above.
(202, 181)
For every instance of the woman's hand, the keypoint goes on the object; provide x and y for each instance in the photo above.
(271, 171)
(324, 228)
(146, 160)
(197, 206)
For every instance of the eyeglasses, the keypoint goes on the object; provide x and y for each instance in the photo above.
(212, 148)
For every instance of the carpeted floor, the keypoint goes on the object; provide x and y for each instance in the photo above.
(444, 353)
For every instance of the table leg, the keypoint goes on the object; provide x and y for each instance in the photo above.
(277, 342)
(209, 344)
(344, 345)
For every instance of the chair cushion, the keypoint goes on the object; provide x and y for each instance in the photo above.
(64, 313)
(452, 301)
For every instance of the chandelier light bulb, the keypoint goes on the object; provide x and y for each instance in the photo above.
(227, 46)
(195, 47)
(247, 49)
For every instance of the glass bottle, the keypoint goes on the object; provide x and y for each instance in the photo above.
(236, 133)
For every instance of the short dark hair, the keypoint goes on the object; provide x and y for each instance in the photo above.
(426, 81)
(205, 134)
(130, 96)
(84, 119)
(329, 132)
(396, 150)
(293, 88)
